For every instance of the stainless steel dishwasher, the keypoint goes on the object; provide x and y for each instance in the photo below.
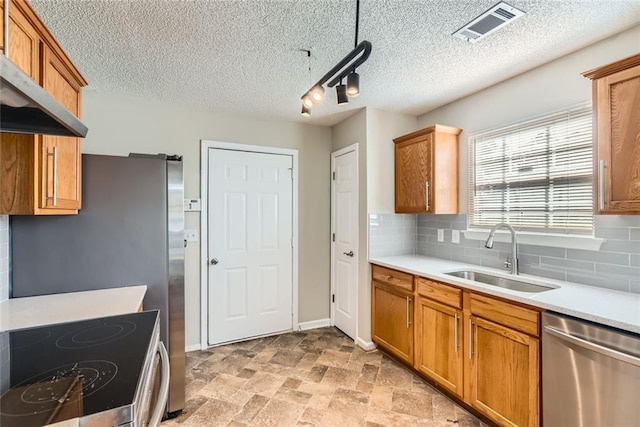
(590, 374)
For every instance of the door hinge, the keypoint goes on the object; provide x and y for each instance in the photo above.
(333, 297)
(291, 170)
(333, 237)
(333, 175)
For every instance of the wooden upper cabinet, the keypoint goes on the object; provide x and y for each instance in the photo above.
(616, 108)
(41, 174)
(426, 171)
(24, 43)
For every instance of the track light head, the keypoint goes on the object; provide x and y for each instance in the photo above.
(306, 111)
(341, 93)
(307, 101)
(353, 84)
(317, 94)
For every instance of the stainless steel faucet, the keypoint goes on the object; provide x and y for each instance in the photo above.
(512, 262)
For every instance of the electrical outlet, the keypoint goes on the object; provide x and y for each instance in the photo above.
(455, 236)
(440, 235)
(191, 235)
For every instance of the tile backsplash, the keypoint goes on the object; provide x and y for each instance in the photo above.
(4, 257)
(615, 266)
(392, 234)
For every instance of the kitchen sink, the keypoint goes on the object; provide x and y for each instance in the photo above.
(502, 282)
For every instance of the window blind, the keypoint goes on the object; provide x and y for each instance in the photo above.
(535, 175)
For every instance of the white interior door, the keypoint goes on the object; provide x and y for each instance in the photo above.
(250, 244)
(344, 256)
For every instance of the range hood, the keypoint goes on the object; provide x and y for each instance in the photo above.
(25, 107)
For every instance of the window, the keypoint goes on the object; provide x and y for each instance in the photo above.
(534, 175)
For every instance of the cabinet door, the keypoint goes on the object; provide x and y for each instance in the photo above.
(24, 43)
(60, 156)
(618, 136)
(504, 377)
(414, 171)
(392, 320)
(438, 337)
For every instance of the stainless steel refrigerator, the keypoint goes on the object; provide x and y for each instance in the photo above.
(129, 231)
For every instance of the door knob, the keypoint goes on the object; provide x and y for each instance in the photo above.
(213, 261)
(350, 253)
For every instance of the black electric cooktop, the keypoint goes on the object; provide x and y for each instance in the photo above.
(63, 371)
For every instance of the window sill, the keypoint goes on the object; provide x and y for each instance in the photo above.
(568, 241)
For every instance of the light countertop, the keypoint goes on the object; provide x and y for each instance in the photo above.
(27, 312)
(614, 308)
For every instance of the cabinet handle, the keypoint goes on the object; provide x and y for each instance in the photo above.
(426, 195)
(456, 345)
(408, 305)
(470, 338)
(54, 154)
(601, 185)
(5, 42)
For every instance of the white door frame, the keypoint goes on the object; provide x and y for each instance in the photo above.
(204, 229)
(345, 150)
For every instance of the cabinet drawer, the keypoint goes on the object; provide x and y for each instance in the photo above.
(392, 277)
(439, 292)
(507, 314)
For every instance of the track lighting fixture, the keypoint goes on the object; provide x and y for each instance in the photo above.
(353, 85)
(346, 68)
(341, 94)
(317, 94)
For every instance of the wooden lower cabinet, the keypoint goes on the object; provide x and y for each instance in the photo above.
(438, 349)
(392, 320)
(483, 350)
(504, 374)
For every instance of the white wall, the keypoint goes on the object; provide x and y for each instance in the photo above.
(382, 127)
(119, 125)
(552, 86)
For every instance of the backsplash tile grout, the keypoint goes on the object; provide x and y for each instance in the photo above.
(615, 266)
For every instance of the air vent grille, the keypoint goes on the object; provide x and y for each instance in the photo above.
(497, 17)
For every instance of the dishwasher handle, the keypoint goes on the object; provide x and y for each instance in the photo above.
(597, 348)
(161, 404)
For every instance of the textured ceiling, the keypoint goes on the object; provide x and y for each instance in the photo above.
(244, 56)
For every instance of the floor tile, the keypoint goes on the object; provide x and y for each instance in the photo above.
(312, 378)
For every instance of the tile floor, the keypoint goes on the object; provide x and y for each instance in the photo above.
(312, 378)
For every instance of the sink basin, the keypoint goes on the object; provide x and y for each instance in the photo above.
(502, 282)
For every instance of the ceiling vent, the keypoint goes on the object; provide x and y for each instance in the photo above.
(497, 17)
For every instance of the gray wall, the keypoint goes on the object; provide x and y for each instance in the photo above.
(119, 125)
(4, 257)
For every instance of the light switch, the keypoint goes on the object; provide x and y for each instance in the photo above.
(455, 236)
(191, 205)
(440, 235)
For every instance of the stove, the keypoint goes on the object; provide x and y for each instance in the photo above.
(93, 370)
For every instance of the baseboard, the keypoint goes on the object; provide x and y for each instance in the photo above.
(192, 347)
(365, 345)
(314, 324)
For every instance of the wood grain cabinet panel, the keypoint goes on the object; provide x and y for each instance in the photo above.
(24, 43)
(616, 109)
(426, 171)
(504, 373)
(392, 320)
(438, 339)
(41, 174)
